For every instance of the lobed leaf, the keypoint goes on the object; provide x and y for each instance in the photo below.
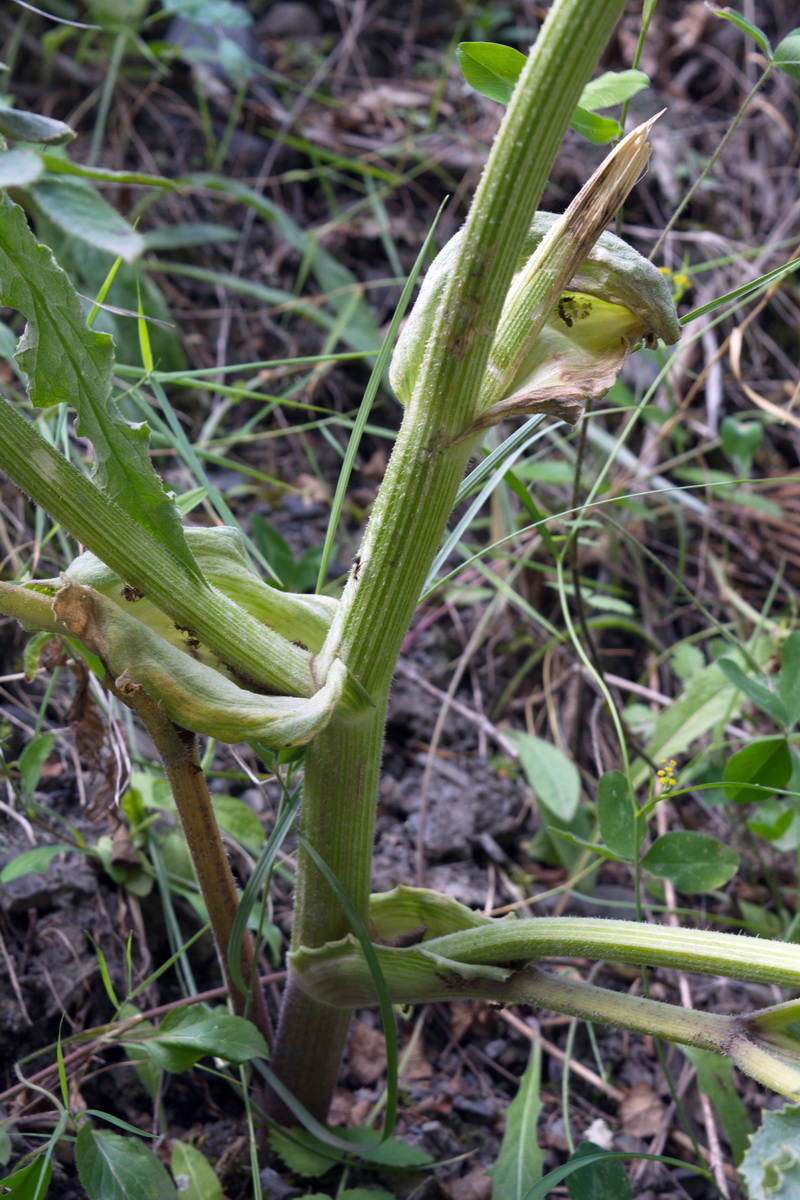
(771, 1167)
(67, 363)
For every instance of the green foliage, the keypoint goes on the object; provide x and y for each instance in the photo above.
(74, 206)
(20, 126)
(787, 55)
(740, 440)
(66, 362)
(692, 861)
(519, 1163)
(295, 575)
(762, 767)
(32, 759)
(615, 815)
(84, 230)
(757, 692)
(29, 1183)
(35, 861)
(188, 1034)
(112, 1167)
(603, 1178)
(552, 775)
(555, 781)
(715, 1078)
(770, 1169)
(494, 69)
(193, 1174)
(707, 700)
(309, 1156)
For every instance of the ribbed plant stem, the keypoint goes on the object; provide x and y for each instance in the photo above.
(412, 509)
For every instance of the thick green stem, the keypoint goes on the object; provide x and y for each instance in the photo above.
(143, 562)
(413, 507)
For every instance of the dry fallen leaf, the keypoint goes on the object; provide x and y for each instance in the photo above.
(641, 1111)
(367, 1061)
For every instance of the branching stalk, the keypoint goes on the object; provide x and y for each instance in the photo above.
(412, 509)
(177, 749)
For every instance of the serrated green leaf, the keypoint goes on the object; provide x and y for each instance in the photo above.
(756, 691)
(302, 1152)
(692, 861)
(519, 1163)
(736, 18)
(787, 55)
(715, 1078)
(552, 775)
(598, 1180)
(19, 168)
(597, 130)
(490, 69)
(33, 758)
(310, 1156)
(74, 206)
(31, 862)
(612, 87)
(756, 770)
(30, 127)
(389, 1153)
(66, 362)
(789, 679)
(771, 1166)
(193, 1174)
(615, 815)
(112, 1167)
(29, 1183)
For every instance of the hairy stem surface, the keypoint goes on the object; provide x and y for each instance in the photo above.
(411, 512)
